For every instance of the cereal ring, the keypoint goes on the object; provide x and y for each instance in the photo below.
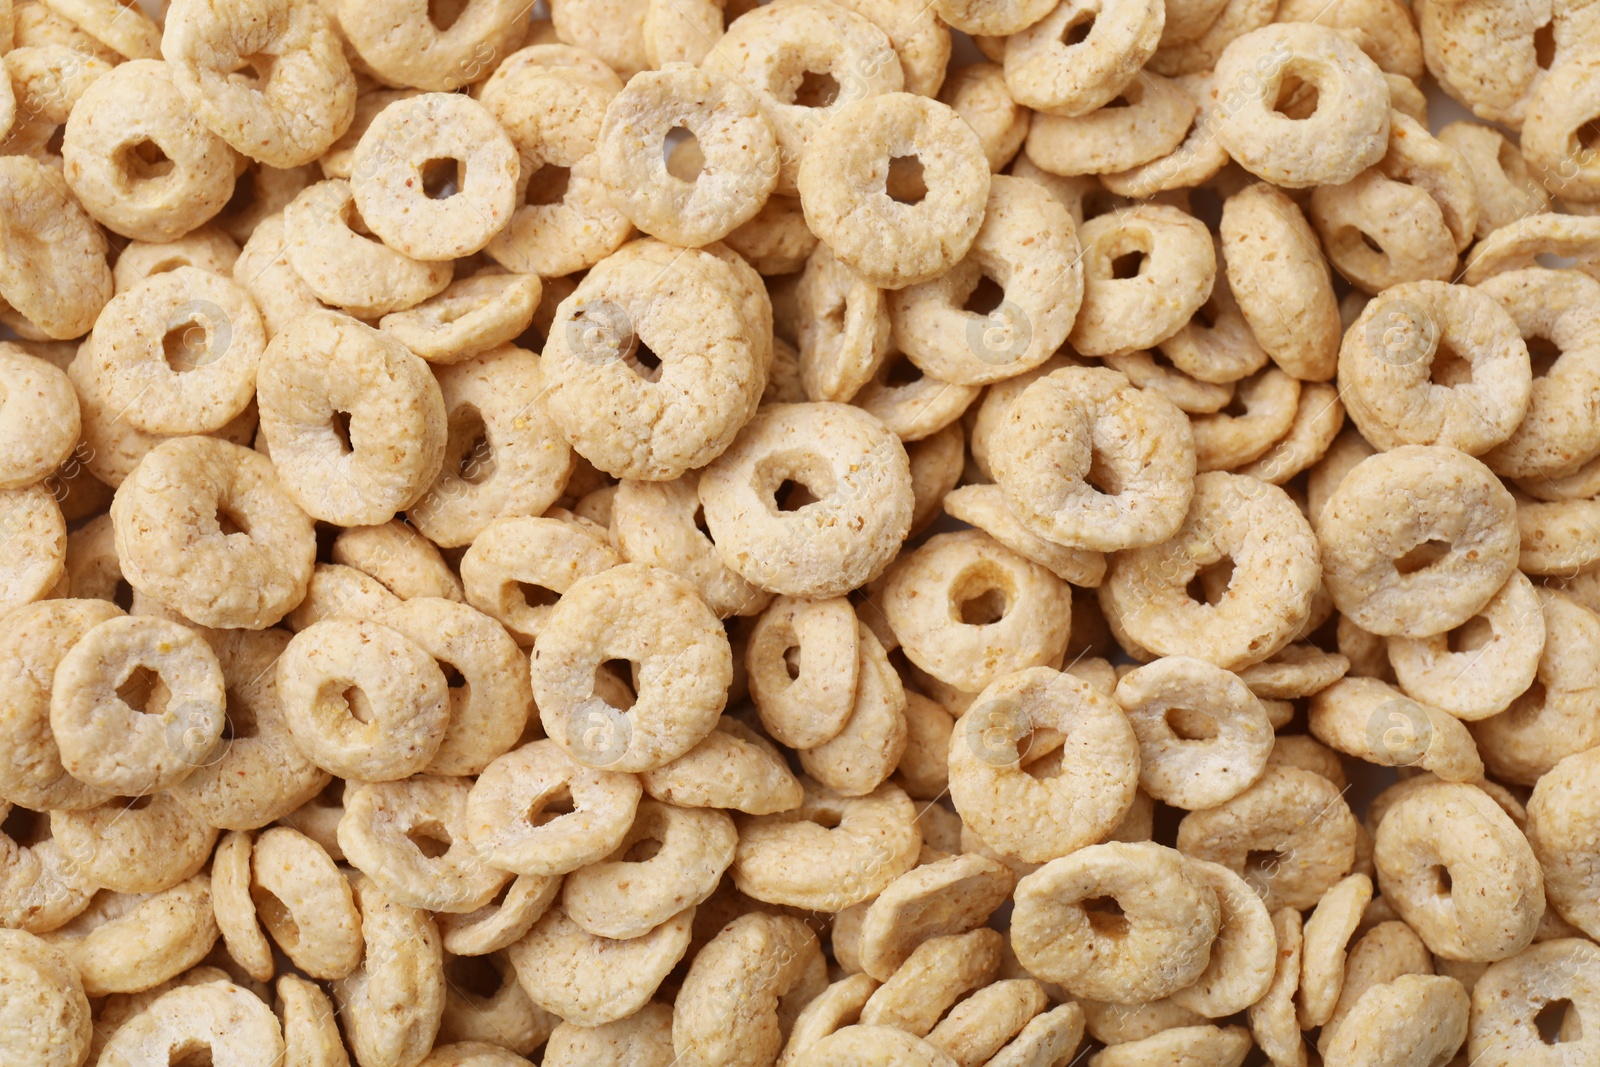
(1366, 718)
(206, 247)
(938, 973)
(405, 146)
(305, 903)
(485, 1003)
(216, 1019)
(263, 268)
(947, 897)
(686, 33)
(362, 701)
(336, 591)
(873, 1044)
(473, 315)
(143, 845)
(405, 46)
(1327, 932)
(236, 912)
(38, 419)
(829, 1012)
(1317, 420)
(848, 205)
(310, 1032)
(1385, 952)
(1262, 411)
(1088, 788)
(126, 943)
(392, 1003)
(1415, 1019)
(1241, 966)
(1079, 56)
(980, 1026)
(205, 526)
(1297, 671)
(54, 272)
(655, 523)
(398, 558)
(830, 852)
(1152, 371)
(856, 760)
(342, 266)
(1028, 247)
(977, 92)
(643, 1039)
(1272, 1017)
(45, 1013)
(1157, 942)
(1517, 246)
(1472, 892)
(776, 240)
(589, 980)
(1196, 159)
(1145, 273)
(48, 79)
(42, 886)
(984, 507)
(325, 369)
(1512, 995)
(518, 567)
(733, 767)
(1560, 813)
(284, 120)
(1203, 736)
(261, 192)
(1382, 563)
(500, 922)
(1146, 121)
(1506, 190)
(844, 328)
(1217, 345)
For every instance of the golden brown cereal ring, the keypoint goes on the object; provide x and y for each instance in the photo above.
(39, 420)
(656, 523)
(473, 315)
(1174, 267)
(217, 1019)
(54, 272)
(512, 554)
(326, 366)
(126, 943)
(362, 701)
(1366, 718)
(589, 980)
(44, 1010)
(1509, 999)
(1159, 943)
(403, 45)
(285, 120)
(1079, 56)
(1370, 551)
(391, 1004)
(1080, 802)
(733, 767)
(895, 243)
(1297, 814)
(1560, 817)
(342, 266)
(336, 590)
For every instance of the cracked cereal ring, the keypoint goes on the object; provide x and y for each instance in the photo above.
(54, 273)
(1459, 872)
(45, 1013)
(1326, 934)
(398, 558)
(1369, 719)
(1318, 418)
(1027, 245)
(1173, 266)
(1297, 814)
(830, 852)
(206, 247)
(1266, 404)
(734, 767)
(511, 555)
(985, 507)
(1090, 786)
(1152, 120)
(1506, 189)
(977, 92)
(1203, 736)
(655, 524)
(843, 174)
(473, 315)
(305, 903)
(206, 527)
(844, 328)
(592, 981)
(967, 610)
(392, 1003)
(109, 743)
(39, 422)
(1079, 56)
(134, 846)
(1495, 660)
(344, 267)
(950, 896)
(1346, 133)
(325, 368)
(1510, 996)
(403, 45)
(1427, 558)
(363, 701)
(1241, 966)
(218, 1019)
(857, 759)
(1080, 418)
(643, 1039)
(936, 975)
(389, 176)
(382, 834)
(1159, 943)
(124, 943)
(1561, 814)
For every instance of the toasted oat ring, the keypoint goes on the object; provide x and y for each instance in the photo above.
(1384, 952)
(285, 119)
(686, 32)
(1487, 902)
(225, 1021)
(1510, 995)
(1506, 189)
(362, 701)
(872, 1044)
(980, 1026)
(1177, 266)
(310, 1030)
(814, 705)
(46, 1012)
(42, 886)
(1029, 247)
(938, 973)
(1497, 661)
(514, 552)
(326, 365)
(236, 912)
(985, 507)
(830, 1011)
(54, 272)
(1217, 346)
(128, 848)
(863, 754)
(734, 767)
(1557, 536)
(1231, 737)
(645, 1037)
(342, 266)
(1148, 371)
(388, 181)
(1092, 783)
(1366, 718)
(1159, 944)
(1518, 244)
(1561, 816)
(589, 980)
(1153, 119)
(473, 315)
(931, 592)
(950, 896)
(37, 541)
(654, 523)
(403, 46)
(1415, 1019)
(535, 776)
(1269, 401)
(1045, 72)
(1241, 966)
(1196, 159)
(848, 205)
(1327, 933)
(379, 834)
(1317, 420)
(504, 920)
(392, 1003)
(486, 1011)
(196, 386)
(305, 903)
(125, 943)
(1380, 232)
(978, 93)
(844, 328)
(207, 247)
(39, 420)
(1365, 541)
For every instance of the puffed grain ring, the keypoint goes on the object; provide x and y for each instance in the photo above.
(1519, 244)
(1317, 420)
(125, 943)
(225, 1021)
(1145, 273)
(342, 266)
(1561, 814)
(517, 568)
(1486, 59)
(979, 95)
(39, 419)
(391, 1003)
(950, 896)
(1149, 118)
(734, 767)
(42, 887)
(54, 273)
(500, 922)
(844, 328)
(1081, 54)
(1217, 346)
(1506, 189)
(139, 846)
(985, 507)
(403, 45)
(813, 704)
(1263, 409)
(1150, 370)
(1379, 232)
(206, 247)
(473, 315)
(589, 980)
(866, 751)
(49, 1022)
(1509, 995)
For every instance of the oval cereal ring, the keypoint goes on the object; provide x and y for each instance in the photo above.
(125, 943)
(1506, 189)
(236, 912)
(342, 266)
(398, 558)
(310, 1031)
(950, 896)
(685, 33)
(217, 1019)
(1416, 1018)
(392, 1003)
(39, 420)
(517, 568)
(589, 980)
(985, 507)
(1367, 718)
(733, 767)
(938, 973)
(1195, 160)
(776, 240)
(474, 314)
(54, 273)
(844, 328)
(643, 1039)
(657, 523)
(1217, 346)
(1262, 411)
(142, 845)
(830, 1011)
(1560, 817)
(857, 759)
(486, 1008)
(1152, 371)
(1146, 121)
(46, 1012)
(1510, 996)
(206, 247)
(1487, 60)
(305, 903)
(1080, 55)
(1380, 955)
(405, 46)
(981, 1025)
(1326, 934)
(1145, 273)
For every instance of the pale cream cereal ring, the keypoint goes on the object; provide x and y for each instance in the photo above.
(473, 315)
(126, 943)
(643, 1039)
(1560, 815)
(305, 904)
(937, 464)
(613, 30)
(405, 46)
(982, 18)
(1028, 247)
(950, 896)
(621, 897)
(54, 273)
(217, 1019)
(814, 704)
(1509, 1000)
(336, 162)
(1269, 591)
(978, 1027)
(1506, 189)
(1195, 160)
(1217, 346)
(270, 189)
(1349, 129)
(1307, 753)
(47, 79)
(922, 43)
(1558, 109)
(655, 523)
(283, 120)
(1152, 119)
(1262, 411)
(1317, 420)
(1407, 99)
(1119, 1024)
(45, 1012)
(1081, 422)
(589, 980)
(844, 328)
(336, 590)
(1203, 736)
(1327, 933)
(1157, 942)
(384, 831)
(1383, 953)
(978, 93)
(865, 752)
(830, 1011)
(133, 34)
(392, 1003)
(518, 567)
(1518, 244)
(536, 842)
(263, 268)
(1272, 1018)
(914, 406)
(967, 610)
(1244, 955)
(206, 247)
(776, 240)
(401, 560)
(485, 1003)
(310, 1031)
(1557, 537)
(1380, 233)
(1154, 372)
(1415, 157)
(1386, 564)
(872, 1044)
(342, 266)
(503, 920)
(685, 32)
(1459, 872)
(1414, 1020)
(236, 912)
(38, 418)
(859, 483)
(363, 701)
(894, 243)
(326, 367)
(41, 885)
(1495, 658)
(1093, 782)
(1145, 273)
(985, 507)
(1297, 814)
(1369, 719)
(734, 767)
(144, 845)
(1079, 56)
(830, 852)
(938, 973)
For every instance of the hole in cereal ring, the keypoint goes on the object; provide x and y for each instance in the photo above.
(442, 178)
(816, 89)
(1442, 880)
(1588, 136)
(475, 976)
(1549, 1019)
(469, 452)
(1448, 368)
(1120, 100)
(1105, 916)
(1542, 355)
(796, 479)
(1424, 555)
(138, 803)
(1102, 477)
(1235, 407)
(537, 596)
(986, 297)
(904, 182)
(793, 495)
(144, 161)
(26, 828)
(1127, 265)
(431, 838)
(1191, 724)
(1261, 861)
(1544, 45)
(982, 608)
(191, 1052)
(1528, 706)
(443, 13)
(1077, 31)
(613, 683)
(643, 362)
(453, 679)
(642, 850)
(360, 707)
(1296, 99)
(901, 371)
(551, 806)
(827, 818)
(1471, 635)
(682, 154)
(122, 596)
(791, 661)
(229, 521)
(142, 691)
(548, 185)
(341, 430)
(239, 720)
(187, 346)
(1211, 583)
(700, 520)
(1372, 245)
(275, 916)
